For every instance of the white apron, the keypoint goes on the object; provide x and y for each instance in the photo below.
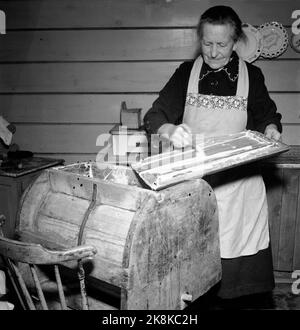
(242, 203)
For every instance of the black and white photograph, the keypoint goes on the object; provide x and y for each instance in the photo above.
(149, 160)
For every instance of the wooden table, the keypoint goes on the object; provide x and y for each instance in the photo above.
(14, 181)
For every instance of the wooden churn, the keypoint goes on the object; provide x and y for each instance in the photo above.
(160, 248)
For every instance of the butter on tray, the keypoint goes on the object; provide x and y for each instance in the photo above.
(214, 154)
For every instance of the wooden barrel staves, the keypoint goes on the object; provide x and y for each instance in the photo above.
(157, 247)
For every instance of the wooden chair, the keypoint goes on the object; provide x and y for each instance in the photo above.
(14, 253)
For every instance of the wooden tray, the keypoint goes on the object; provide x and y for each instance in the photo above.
(214, 154)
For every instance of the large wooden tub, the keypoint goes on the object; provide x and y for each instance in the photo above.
(157, 247)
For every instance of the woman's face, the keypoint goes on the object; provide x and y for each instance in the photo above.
(217, 44)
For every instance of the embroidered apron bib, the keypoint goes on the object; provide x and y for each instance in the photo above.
(241, 196)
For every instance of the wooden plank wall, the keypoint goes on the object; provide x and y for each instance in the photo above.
(66, 65)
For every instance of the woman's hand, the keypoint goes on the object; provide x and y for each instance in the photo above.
(179, 135)
(272, 132)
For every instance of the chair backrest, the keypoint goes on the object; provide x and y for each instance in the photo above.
(14, 253)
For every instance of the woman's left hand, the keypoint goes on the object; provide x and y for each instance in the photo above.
(272, 132)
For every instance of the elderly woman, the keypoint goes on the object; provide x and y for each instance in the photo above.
(187, 105)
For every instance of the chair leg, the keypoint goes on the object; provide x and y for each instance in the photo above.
(38, 287)
(60, 288)
(10, 269)
(81, 276)
(14, 284)
(23, 286)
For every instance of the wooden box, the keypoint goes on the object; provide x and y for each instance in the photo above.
(128, 145)
(157, 248)
(131, 118)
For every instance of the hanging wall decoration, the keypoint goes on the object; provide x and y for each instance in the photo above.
(250, 48)
(295, 42)
(275, 39)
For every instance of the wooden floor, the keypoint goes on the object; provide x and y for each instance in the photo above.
(282, 298)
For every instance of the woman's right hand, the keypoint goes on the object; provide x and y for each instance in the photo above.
(179, 135)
